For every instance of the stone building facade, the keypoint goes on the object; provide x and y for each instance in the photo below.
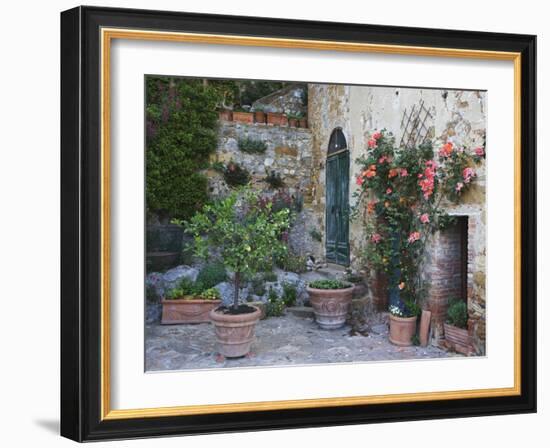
(455, 264)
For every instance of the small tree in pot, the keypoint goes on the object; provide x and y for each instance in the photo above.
(247, 236)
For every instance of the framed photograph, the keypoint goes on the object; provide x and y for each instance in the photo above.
(273, 223)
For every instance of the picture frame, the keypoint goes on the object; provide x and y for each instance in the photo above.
(86, 37)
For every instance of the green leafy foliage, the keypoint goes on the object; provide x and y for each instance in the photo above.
(315, 235)
(210, 294)
(290, 294)
(457, 313)
(405, 190)
(235, 175)
(246, 236)
(212, 274)
(181, 123)
(291, 262)
(252, 146)
(275, 307)
(329, 284)
(270, 276)
(274, 180)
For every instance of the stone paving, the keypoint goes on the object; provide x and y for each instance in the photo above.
(280, 341)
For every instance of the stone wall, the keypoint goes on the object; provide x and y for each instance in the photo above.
(289, 153)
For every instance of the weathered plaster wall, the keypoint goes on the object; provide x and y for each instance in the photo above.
(459, 116)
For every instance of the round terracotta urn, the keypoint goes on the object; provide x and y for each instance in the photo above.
(402, 330)
(330, 306)
(234, 332)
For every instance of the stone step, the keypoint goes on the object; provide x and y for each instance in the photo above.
(301, 311)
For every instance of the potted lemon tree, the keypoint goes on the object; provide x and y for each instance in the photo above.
(245, 234)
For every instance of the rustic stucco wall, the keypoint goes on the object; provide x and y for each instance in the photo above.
(459, 116)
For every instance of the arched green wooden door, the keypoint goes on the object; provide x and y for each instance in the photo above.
(337, 200)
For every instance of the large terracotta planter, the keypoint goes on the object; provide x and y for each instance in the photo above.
(330, 306)
(187, 311)
(243, 117)
(402, 330)
(234, 332)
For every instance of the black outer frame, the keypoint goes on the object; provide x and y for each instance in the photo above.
(80, 223)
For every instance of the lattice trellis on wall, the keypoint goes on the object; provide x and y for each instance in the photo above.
(416, 125)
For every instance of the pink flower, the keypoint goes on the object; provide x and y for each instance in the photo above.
(424, 218)
(375, 238)
(467, 174)
(388, 191)
(414, 236)
(372, 143)
(404, 172)
(376, 135)
(383, 159)
(359, 180)
(459, 187)
(480, 152)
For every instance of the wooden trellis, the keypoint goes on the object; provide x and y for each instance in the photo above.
(416, 125)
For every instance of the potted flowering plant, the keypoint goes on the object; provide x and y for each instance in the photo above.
(246, 237)
(405, 190)
(330, 300)
(185, 304)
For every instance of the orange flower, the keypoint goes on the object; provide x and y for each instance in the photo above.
(370, 206)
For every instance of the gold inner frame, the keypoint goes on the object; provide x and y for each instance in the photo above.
(107, 35)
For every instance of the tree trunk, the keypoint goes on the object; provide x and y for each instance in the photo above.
(236, 293)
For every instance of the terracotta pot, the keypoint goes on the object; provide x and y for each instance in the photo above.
(234, 332)
(330, 306)
(259, 117)
(402, 329)
(456, 335)
(303, 122)
(243, 117)
(184, 311)
(292, 122)
(225, 115)
(274, 118)
(284, 120)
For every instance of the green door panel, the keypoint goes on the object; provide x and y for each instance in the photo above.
(337, 208)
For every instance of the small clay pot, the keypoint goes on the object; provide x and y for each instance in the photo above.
(225, 115)
(259, 117)
(234, 332)
(292, 122)
(303, 122)
(330, 306)
(274, 118)
(402, 330)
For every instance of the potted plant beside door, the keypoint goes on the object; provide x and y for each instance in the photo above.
(405, 190)
(331, 300)
(245, 234)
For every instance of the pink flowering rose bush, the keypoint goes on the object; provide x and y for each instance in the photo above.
(404, 190)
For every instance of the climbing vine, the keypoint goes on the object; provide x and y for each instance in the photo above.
(403, 192)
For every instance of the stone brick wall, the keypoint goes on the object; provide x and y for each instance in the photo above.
(289, 153)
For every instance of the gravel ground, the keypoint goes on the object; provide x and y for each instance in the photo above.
(280, 341)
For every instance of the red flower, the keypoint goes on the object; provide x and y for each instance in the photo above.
(414, 236)
(446, 150)
(372, 143)
(360, 180)
(424, 218)
(376, 135)
(480, 152)
(375, 238)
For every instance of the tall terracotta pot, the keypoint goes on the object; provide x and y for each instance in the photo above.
(234, 332)
(402, 330)
(330, 306)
